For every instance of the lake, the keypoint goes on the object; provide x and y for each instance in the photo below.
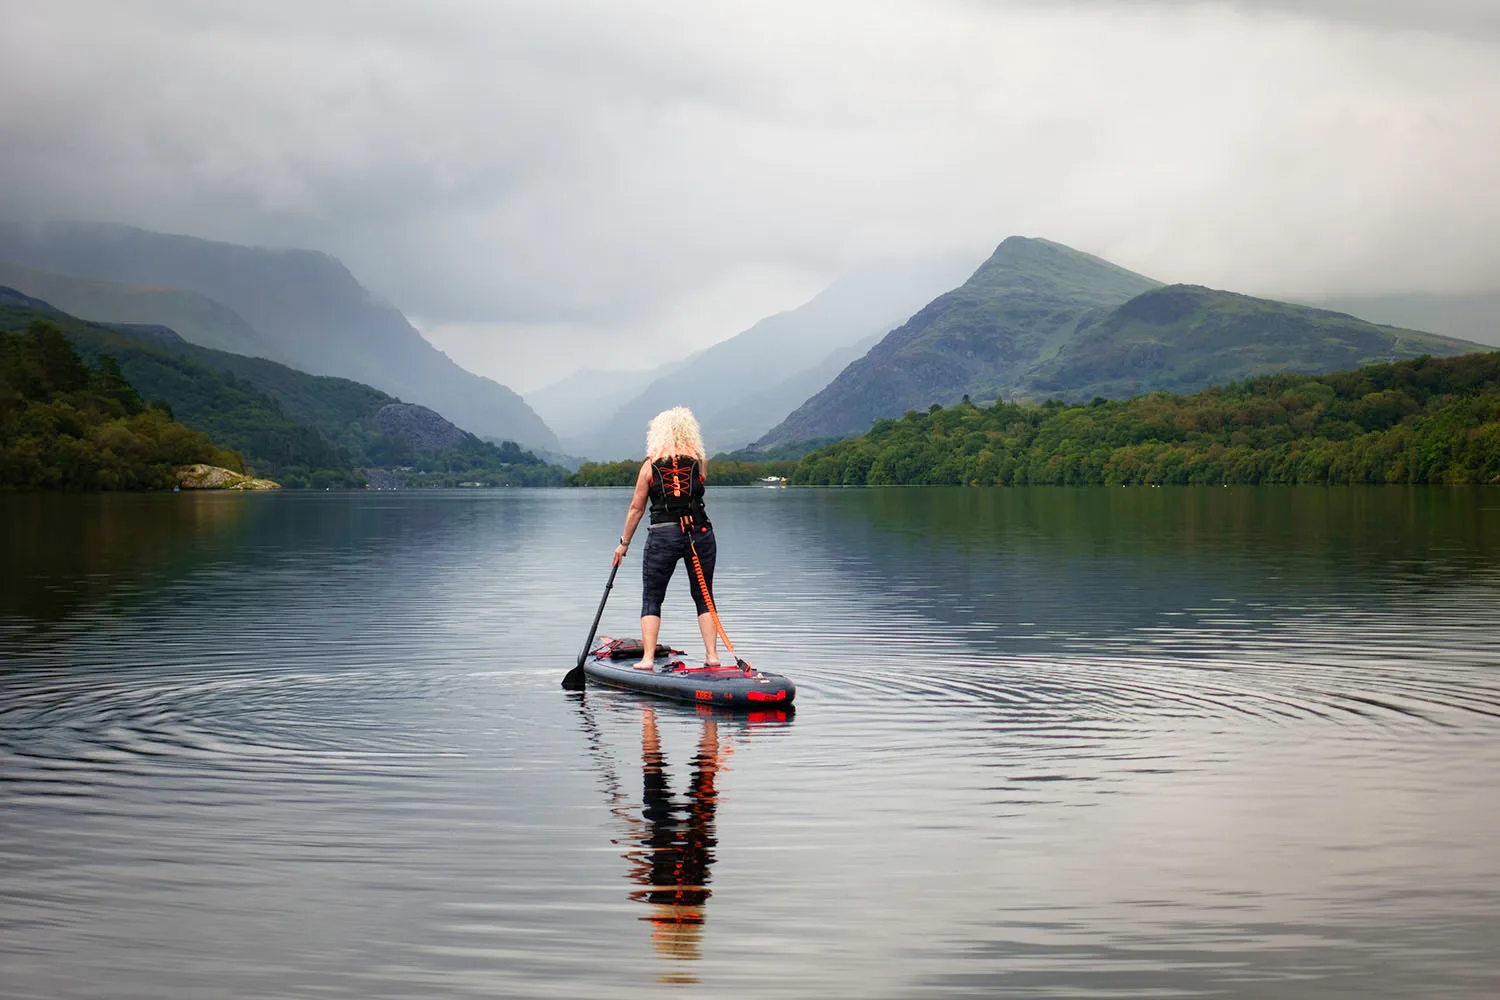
(1048, 743)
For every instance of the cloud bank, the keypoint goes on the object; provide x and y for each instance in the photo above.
(550, 186)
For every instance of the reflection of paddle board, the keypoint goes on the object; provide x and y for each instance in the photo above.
(613, 662)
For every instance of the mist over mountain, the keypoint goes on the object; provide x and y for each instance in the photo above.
(740, 387)
(586, 399)
(196, 318)
(1472, 316)
(1040, 320)
(305, 307)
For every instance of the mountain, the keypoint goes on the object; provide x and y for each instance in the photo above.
(1040, 320)
(194, 317)
(305, 307)
(1020, 306)
(1184, 338)
(748, 419)
(580, 403)
(298, 428)
(740, 387)
(1474, 316)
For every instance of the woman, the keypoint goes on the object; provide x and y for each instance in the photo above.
(672, 480)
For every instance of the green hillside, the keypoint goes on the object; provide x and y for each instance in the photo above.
(1183, 338)
(1423, 421)
(1041, 321)
(1020, 306)
(304, 305)
(300, 429)
(66, 425)
(194, 317)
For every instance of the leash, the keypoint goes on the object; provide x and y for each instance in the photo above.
(709, 600)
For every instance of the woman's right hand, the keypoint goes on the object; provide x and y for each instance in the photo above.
(619, 555)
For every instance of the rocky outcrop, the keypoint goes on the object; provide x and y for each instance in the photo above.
(212, 477)
(381, 479)
(419, 427)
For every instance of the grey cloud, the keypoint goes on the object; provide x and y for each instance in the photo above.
(618, 179)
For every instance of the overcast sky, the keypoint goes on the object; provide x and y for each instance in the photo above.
(553, 184)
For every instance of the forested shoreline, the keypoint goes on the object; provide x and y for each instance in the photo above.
(301, 430)
(1421, 422)
(66, 425)
(1426, 421)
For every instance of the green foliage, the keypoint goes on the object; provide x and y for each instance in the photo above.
(475, 461)
(782, 452)
(67, 426)
(606, 473)
(1421, 421)
(1185, 338)
(299, 429)
(725, 472)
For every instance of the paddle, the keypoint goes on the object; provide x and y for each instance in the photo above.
(575, 678)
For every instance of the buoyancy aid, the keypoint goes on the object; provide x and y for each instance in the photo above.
(676, 492)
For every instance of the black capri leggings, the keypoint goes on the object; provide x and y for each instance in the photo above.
(665, 547)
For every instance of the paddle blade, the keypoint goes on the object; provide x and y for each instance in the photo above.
(575, 680)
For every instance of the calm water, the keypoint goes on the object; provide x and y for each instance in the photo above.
(1049, 743)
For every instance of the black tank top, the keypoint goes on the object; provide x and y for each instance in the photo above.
(677, 491)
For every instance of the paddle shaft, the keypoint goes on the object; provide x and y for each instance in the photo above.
(598, 615)
(574, 680)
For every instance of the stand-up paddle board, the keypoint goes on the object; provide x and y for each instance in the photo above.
(616, 662)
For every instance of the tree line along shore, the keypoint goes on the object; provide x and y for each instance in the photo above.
(66, 424)
(1426, 421)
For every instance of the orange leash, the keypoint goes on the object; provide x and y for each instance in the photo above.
(709, 600)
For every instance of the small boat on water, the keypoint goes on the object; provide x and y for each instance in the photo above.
(772, 482)
(616, 662)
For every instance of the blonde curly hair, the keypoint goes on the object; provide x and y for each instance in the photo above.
(675, 432)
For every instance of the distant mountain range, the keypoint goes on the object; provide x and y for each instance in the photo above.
(578, 405)
(1035, 320)
(288, 425)
(739, 388)
(1042, 320)
(297, 306)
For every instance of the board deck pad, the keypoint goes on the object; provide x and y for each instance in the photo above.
(616, 662)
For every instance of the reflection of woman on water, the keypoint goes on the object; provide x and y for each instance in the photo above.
(677, 841)
(669, 842)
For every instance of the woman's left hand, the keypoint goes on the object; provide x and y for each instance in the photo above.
(619, 554)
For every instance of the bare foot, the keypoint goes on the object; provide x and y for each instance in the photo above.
(646, 665)
(712, 663)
